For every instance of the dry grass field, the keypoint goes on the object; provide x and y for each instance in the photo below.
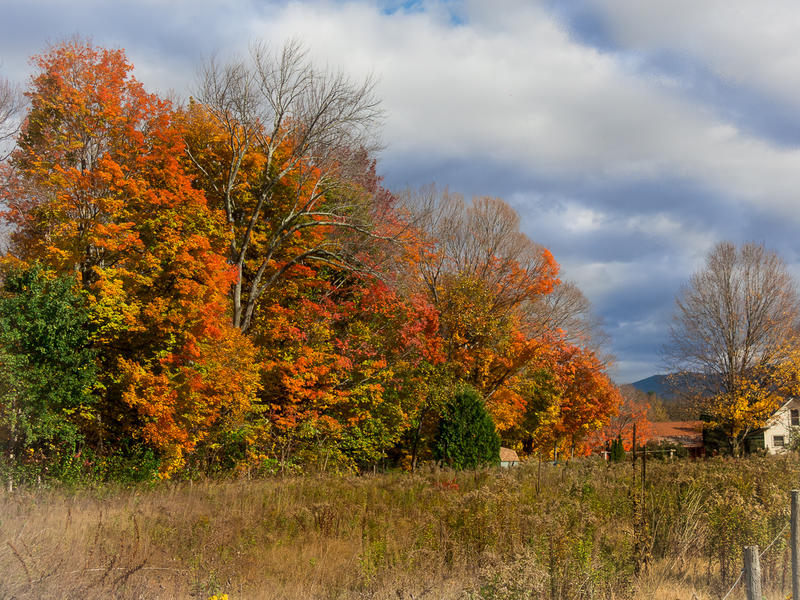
(437, 535)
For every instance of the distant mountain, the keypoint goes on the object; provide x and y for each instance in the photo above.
(672, 407)
(676, 403)
(662, 386)
(657, 384)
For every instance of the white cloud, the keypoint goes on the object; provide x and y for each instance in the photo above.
(753, 44)
(582, 220)
(514, 86)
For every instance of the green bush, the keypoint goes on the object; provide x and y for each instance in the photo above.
(617, 450)
(467, 438)
(47, 365)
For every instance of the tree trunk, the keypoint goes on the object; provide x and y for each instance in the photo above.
(415, 442)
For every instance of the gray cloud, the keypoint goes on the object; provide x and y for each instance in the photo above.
(750, 44)
(630, 136)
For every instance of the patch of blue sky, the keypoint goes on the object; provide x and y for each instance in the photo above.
(453, 8)
(390, 7)
(585, 24)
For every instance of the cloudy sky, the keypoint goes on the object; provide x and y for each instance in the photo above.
(630, 136)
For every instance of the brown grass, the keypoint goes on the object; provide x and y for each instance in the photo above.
(485, 534)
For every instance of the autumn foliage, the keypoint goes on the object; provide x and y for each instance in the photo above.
(257, 300)
(97, 189)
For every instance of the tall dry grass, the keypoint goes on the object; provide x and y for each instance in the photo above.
(439, 534)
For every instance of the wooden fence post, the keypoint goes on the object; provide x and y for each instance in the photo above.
(752, 573)
(795, 543)
(644, 468)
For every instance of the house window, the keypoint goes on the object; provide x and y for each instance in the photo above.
(795, 417)
(777, 441)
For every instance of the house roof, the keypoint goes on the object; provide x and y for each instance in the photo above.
(687, 433)
(508, 455)
(776, 415)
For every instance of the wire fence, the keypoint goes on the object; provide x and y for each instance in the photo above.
(762, 553)
(735, 583)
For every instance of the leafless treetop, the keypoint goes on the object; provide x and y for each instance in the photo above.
(741, 311)
(313, 124)
(11, 105)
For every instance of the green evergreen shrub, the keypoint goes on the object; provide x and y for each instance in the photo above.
(467, 437)
(617, 450)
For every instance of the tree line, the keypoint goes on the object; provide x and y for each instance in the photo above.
(224, 285)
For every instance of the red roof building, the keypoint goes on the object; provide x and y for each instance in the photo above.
(688, 434)
(508, 458)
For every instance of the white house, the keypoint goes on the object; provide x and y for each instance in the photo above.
(778, 430)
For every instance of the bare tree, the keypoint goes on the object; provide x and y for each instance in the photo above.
(480, 240)
(11, 105)
(310, 129)
(567, 309)
(735, 320)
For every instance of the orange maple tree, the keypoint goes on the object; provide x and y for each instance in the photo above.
(342, 363)
(571, 399)
(621, 426)
(98, 189)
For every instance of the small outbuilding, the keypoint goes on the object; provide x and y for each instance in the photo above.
(688, 434)
(508, 458)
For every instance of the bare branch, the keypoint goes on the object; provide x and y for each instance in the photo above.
(568, 310)
(740, 312)
(12, 103)
(306, 127)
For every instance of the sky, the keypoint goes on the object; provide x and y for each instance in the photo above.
(630, 136)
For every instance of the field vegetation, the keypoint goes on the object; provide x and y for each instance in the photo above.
(582, 529)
